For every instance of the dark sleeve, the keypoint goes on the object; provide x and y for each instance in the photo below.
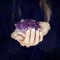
(55, 23)
(6, 24)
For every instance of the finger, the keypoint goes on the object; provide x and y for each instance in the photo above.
(17, 36)
(20, 39)
(32, 38)
(21, 43)
(19, 32)
(37, 38)
(41, 36)
(26, 41)
(13, 35)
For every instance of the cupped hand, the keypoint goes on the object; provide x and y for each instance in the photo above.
(31, 38)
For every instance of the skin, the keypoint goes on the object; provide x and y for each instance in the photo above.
(32, 37)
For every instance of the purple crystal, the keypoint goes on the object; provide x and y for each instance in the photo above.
(26, 24)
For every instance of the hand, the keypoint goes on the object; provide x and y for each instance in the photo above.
(45, 27)
(18, 36)
(31, 38)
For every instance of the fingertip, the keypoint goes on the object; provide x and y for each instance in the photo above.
(27, 46)
(21, 43)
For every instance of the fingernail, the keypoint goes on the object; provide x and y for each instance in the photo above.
(28, 31)
(33, 30)
(37, 31)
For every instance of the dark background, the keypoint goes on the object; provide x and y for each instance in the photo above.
(5, 14)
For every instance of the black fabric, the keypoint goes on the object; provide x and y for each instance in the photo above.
(11, 49)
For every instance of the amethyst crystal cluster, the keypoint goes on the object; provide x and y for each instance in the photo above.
(23, 25)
